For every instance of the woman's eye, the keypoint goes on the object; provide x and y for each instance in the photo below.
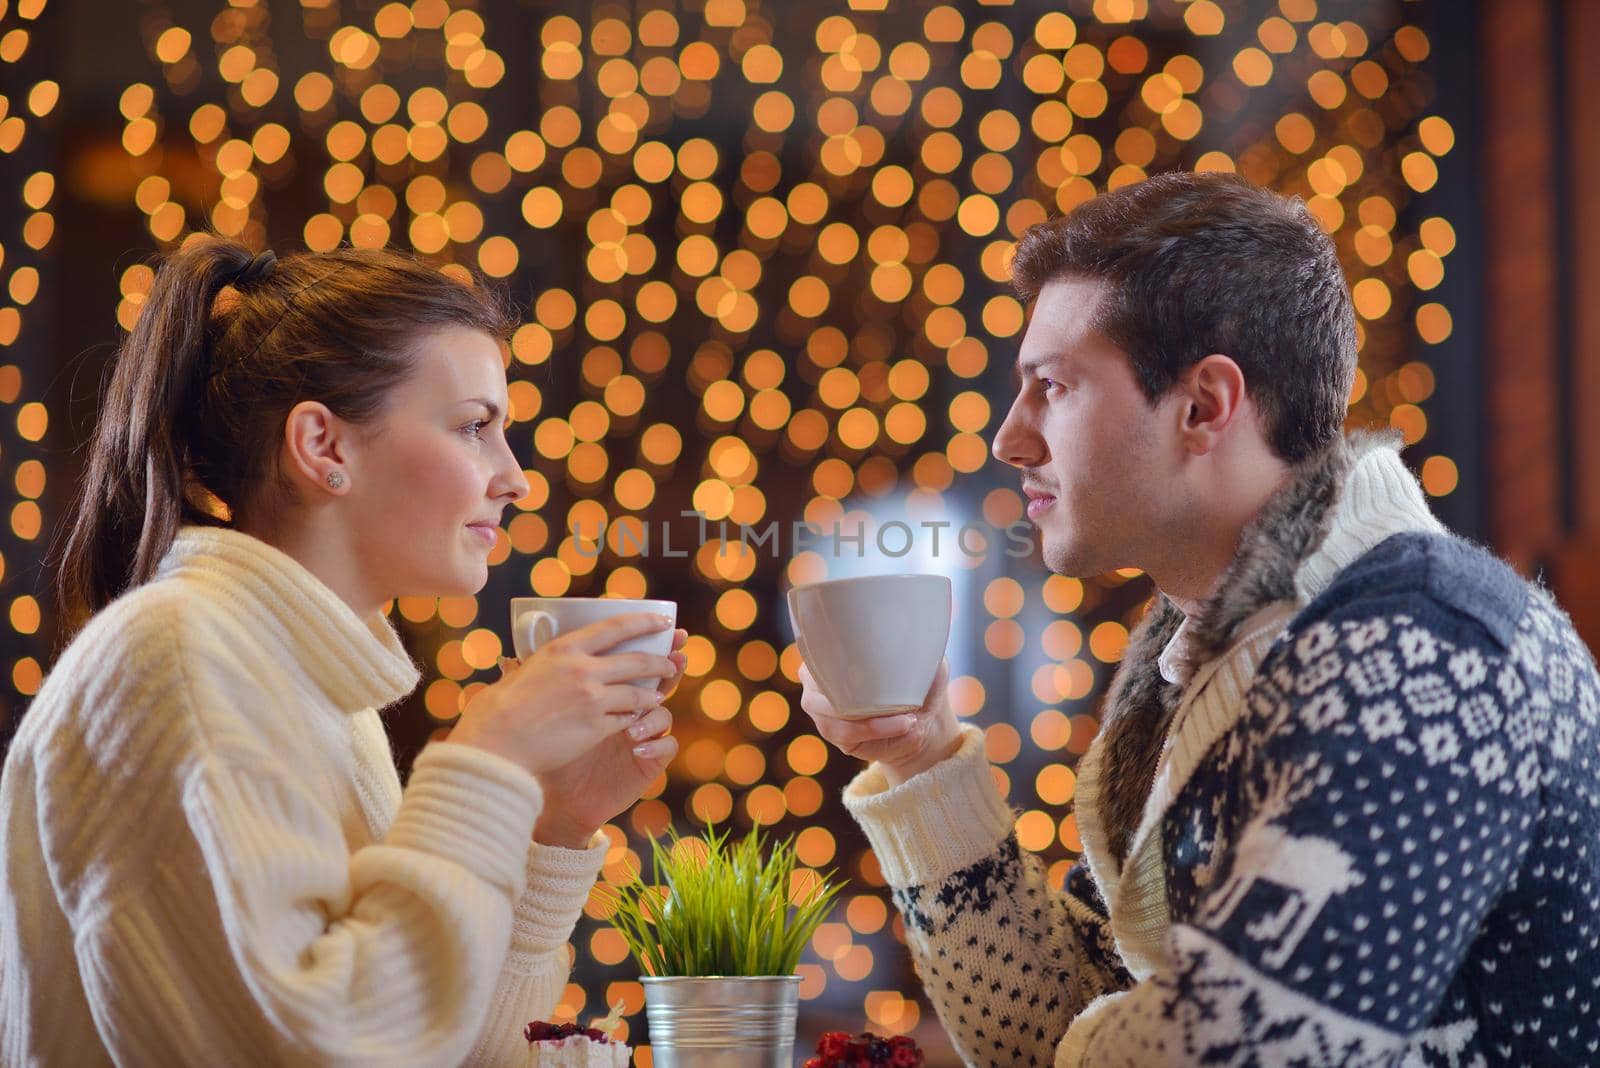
(475, 429)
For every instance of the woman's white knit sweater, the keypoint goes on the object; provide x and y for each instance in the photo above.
(208, 857)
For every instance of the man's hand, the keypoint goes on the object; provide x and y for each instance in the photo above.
(905, 744)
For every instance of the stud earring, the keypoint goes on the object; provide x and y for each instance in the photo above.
(335, 479)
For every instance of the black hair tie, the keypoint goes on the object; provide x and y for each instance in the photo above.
(260, 266)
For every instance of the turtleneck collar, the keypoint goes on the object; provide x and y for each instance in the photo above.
(1335, 507)
(358, 662)
(1379, 498)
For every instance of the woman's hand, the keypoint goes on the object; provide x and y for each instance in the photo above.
(680, 660)
(584, 795)
(568, 696)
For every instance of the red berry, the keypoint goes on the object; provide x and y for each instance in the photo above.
(545, 1031)
(833, 1044)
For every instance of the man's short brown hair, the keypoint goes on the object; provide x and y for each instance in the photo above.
(1204, 263)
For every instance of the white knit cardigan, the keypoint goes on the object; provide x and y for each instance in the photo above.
(208, 857)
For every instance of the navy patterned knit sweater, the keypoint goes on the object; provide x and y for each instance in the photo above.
(1389, 856)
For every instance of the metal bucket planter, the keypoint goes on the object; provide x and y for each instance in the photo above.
(717, 1022)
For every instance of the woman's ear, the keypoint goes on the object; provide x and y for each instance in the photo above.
(1214, 398)
(317, 448)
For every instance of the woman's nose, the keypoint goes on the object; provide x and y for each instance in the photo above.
(512, 483)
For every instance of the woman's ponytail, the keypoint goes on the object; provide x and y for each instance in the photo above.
(133, 500)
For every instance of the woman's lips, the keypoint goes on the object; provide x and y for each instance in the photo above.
(483, 531)
(1038, 506)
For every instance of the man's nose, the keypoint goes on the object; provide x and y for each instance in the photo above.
(1016, 442)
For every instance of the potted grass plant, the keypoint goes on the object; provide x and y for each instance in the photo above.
(717, 932)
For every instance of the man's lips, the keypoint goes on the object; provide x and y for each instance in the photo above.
(1039, 502)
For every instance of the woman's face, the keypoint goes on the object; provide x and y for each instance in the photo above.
(434, 473)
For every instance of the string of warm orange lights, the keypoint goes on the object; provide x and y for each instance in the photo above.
(21, 255)
(767, 246)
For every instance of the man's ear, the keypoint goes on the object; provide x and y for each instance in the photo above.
(1213, 398)
(316, 444)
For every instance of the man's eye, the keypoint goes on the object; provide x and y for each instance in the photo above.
(1047, 384)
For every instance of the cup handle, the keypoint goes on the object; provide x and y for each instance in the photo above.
(535, 629)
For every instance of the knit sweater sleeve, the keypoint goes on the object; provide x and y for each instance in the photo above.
(1390, 785)
(536, 969)
(388, 953)
(227, 919)
(1007, 961)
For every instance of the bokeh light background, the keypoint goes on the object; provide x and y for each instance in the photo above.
(762, 249)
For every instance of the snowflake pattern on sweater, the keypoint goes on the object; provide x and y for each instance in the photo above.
(1024, 992)
(1019, 992)
(1393, 857)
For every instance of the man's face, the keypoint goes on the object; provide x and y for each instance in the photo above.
(1098, 462)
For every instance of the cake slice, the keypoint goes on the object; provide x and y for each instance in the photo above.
(567, 1045)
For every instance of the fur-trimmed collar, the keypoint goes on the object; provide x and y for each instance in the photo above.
(1274, 563)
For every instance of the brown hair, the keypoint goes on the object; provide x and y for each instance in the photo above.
(1204, 263)
(202, 386)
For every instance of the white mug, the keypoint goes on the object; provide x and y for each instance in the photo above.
(873, 644)
(536, 620)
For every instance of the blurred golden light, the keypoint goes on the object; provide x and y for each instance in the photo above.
(393, 20)
(1003, 639)
(1419, 171)
(1327, 89)
(26, 520)
(1036, 830)
(1371, 298)
(744, 764)
(858, 428)
(1410, 421)
(467, 121)
(30, 478)
(1107, 641)
(25, 614)
(769, 712)
(1425, 268)
(173, 44)
(1436, 135)
(1437, 235)
(1439, 476)
(815, 846)
(32, 421)
(27, 676)
(710, 803)
(1433, 323)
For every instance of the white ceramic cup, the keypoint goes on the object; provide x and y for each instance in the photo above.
(536, 620)
(873, 644)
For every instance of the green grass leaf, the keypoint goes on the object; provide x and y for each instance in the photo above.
(715, 908)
